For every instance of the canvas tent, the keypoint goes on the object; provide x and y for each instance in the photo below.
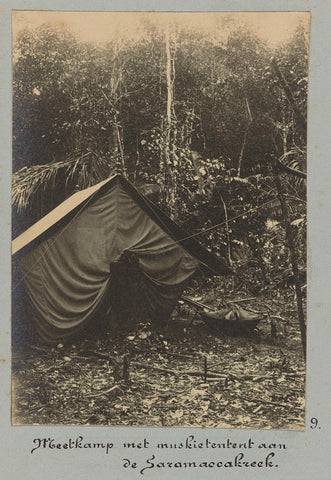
(107, 243)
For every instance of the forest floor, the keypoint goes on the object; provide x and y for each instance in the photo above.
(253, 381)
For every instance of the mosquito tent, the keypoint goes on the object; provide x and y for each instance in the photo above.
(107, 243)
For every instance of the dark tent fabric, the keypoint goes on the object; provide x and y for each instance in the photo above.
(69, 259)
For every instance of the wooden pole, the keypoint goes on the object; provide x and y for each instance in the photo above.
(205, 369)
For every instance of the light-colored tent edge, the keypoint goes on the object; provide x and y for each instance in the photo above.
(54, 216)
(78, 201)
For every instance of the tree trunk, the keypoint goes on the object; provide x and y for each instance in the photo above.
(291, 244)
(250, 119)
(284, 133)
(289, 95)
(169, 180)
(228, 246)
(242, 153)
(120, 148)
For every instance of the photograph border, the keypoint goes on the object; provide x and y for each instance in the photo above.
(306, 456)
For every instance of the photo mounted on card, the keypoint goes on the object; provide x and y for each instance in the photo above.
(159, 219)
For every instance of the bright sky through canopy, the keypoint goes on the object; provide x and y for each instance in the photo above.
(272, 27)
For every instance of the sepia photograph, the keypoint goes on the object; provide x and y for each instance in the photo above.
(159, 219)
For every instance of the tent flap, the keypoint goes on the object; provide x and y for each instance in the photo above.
(67, 275)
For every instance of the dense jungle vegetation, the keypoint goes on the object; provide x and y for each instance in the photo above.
(210, 127)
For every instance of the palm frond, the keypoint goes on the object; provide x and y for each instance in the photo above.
(81, 170)
(295, 160)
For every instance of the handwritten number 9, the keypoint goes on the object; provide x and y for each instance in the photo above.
(313, 422)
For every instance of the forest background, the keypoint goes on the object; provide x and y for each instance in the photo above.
(207, 120)
(192, 116)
